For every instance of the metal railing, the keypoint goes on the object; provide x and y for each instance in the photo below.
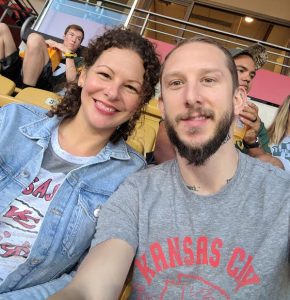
(168, 29)
(156, 26)
(19, 10)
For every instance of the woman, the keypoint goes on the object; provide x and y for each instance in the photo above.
(57, 169)
(279, 134)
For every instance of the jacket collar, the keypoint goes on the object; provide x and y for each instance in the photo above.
(41, 130)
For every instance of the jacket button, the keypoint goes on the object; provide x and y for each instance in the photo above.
(24, 173)
(35, 261)
(56, 211)
(96, 212)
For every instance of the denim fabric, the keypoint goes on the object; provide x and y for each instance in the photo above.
(69, 224)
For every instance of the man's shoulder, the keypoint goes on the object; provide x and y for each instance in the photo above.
(266, 172)
(156, 173)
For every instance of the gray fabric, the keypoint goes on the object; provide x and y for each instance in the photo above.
(55, 164)
(231, 245)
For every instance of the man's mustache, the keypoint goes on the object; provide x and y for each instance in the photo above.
(195, 111)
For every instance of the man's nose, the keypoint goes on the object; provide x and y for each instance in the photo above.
(246, 77)
(192, 94)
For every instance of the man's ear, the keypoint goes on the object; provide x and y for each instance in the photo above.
(240, 98)
(82, 77)
(161, 106)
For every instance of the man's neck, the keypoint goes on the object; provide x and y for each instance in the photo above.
(216, 172)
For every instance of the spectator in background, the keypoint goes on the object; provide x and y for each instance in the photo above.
(279, 134)
(255, 142)
(47, 64)
(248, 61)
(58, 168)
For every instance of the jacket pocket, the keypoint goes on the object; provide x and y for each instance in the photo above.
(82, 224)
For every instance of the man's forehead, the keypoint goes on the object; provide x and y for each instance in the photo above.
(244, 58)
(199, 54)
(75, 31)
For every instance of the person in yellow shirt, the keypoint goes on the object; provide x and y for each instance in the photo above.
(46, 64)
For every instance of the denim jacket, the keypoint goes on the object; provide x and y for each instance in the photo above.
(69, 224)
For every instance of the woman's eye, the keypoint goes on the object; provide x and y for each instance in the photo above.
(104, 75)
(131, 88)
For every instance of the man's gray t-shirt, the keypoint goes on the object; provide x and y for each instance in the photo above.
(230, 245)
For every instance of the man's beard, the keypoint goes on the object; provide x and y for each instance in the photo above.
(197, 155)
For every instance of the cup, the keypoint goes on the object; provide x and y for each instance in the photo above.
(239, 129)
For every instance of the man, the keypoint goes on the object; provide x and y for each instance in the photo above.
(214, 223)
(255, 142)
(38, 69)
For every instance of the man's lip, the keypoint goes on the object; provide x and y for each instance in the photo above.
(195, 117)
(196, 121)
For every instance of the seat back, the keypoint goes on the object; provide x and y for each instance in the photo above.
(7, 86)
(6, 99)
(144, 135)
(42, 98)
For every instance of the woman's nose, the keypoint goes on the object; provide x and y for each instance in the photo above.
(111, 91)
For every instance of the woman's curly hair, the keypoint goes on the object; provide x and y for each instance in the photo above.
(122, 39)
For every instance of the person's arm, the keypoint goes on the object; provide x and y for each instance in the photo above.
(259, 152)
(266, 157)
(285, 162)
(71, 70)
(264, 138)
(56, 45)
(102, 273)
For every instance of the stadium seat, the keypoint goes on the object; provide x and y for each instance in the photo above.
(6, 99)
(7, 86)
(42, 98)
(143, 137)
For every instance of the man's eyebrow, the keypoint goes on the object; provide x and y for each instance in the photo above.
(202, 71)
(242, 67)
(245, 69)
(212, 70)
(172, 74)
